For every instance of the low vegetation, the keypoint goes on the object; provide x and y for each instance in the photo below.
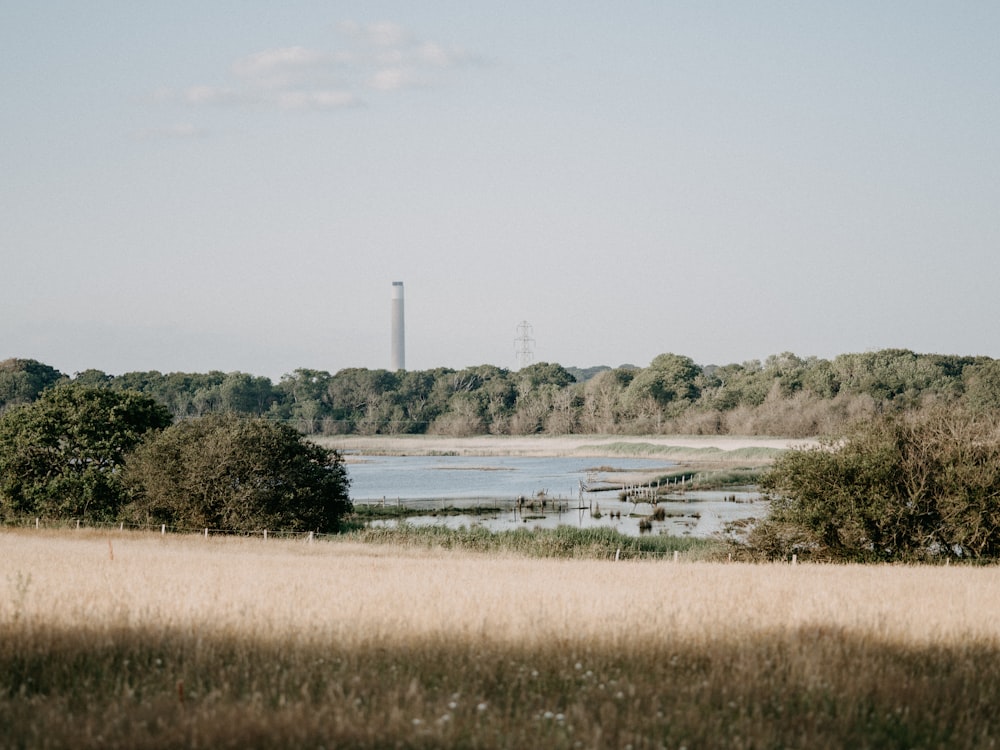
(565, 541)
(130, 640)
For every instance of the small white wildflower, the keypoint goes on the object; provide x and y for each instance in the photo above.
(547, 715)
(579, 666)
(560, 717)
(482, 707)
(453, 705)
(417, 722)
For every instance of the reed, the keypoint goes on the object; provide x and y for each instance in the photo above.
(562, 542)
(235, 642)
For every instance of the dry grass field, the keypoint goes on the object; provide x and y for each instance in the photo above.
(141, 641)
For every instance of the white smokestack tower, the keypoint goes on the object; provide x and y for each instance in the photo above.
(398, 357)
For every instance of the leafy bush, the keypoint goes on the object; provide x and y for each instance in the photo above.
(227, 472)
(907, 486)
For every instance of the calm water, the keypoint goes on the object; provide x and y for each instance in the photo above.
(435, 482)
(477, 477)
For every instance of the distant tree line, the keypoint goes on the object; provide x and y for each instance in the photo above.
(782, 395)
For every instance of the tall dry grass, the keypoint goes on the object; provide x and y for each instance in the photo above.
(136, 640)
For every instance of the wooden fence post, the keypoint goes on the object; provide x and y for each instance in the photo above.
(163, 529)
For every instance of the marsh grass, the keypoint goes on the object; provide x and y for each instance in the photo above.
(728, 477)
(234, 643)
(377, 511)
(600, 543)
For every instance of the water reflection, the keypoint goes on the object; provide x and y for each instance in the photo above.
(443, 485)
(697, 514)
(500, 477)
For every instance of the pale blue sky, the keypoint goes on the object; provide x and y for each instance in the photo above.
(235, 185)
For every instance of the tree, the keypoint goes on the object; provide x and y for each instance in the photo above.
(543, 373)
(235, 473)
(665, 388)
(603, 407)
(982, 386)
(363, 398)
(896, 487)
(246, 394)
(61, 456)
(22, 380)
(92, 379)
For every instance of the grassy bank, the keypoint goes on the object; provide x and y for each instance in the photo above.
(142, 641)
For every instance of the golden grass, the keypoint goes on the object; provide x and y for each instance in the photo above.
(231, 642)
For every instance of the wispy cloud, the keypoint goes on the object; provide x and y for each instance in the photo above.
(375, 57)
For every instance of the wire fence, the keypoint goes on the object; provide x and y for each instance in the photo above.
(80, 524)
(624, 548)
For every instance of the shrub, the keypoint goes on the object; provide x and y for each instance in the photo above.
(897, 487)
(238, 474)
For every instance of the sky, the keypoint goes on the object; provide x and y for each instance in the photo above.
(234, 185)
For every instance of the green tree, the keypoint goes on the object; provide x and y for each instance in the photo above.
(419, 398)
(898, 377)
(896, 487)
(246, 394)
(665, 388)
(92, 379)
(541, 374)
(305, 385)
(148, 382)
(472, 401)
(235, 473)
(178, 391)
(982, 386)
(61, 456)
(22, 380)
(364, 399)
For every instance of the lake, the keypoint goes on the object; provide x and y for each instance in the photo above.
(484, 477)
(437, 482)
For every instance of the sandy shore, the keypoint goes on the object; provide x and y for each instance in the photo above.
(681, 448)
